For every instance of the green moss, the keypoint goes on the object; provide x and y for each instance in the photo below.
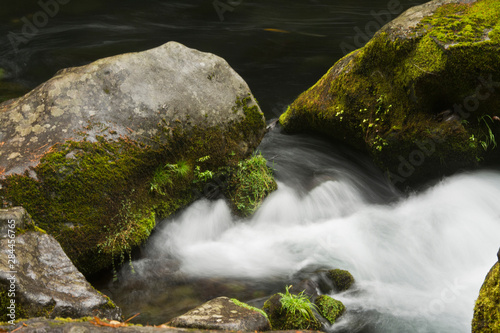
(249, 307)
(342, 279)
(385, 99)
(79, 198)
(5, 301)
(251, 182)
(487, 310)
(329, 308)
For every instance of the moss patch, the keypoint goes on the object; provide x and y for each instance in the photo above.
(329, 308)
(341, 279)
(251, 181)
(249, 307)
(487, 310)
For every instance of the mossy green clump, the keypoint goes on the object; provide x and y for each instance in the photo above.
(487, 310)
(342, 279)
(329, 308)
(389, 97)
(251, 181)
(291, 312)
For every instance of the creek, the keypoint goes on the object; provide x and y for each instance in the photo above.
(418, 260)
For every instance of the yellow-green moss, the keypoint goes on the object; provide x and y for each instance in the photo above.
(487, 310)
(329, 308)
(386, 97)
(249, 307)
(251, 182)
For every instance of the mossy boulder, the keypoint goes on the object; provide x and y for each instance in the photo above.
(422, 97)
(329, 308)
(487, 310)
(282, 318)
(342, 279)
(82, 151)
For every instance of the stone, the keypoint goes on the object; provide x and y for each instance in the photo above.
(17, 217)
(36, 273)
(136, 95)
(342, 279)
(329, 308)
(486, 317)
(282, 318)
(422, 97)
(222, 314)
(86, 152)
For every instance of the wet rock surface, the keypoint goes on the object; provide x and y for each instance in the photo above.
(222, 314)
(42, 280)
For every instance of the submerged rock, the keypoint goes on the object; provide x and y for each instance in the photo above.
(487, 310)
(422, 96)
(222, 314)
(99, 153)
(38, 278)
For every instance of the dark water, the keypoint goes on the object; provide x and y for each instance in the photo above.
(278, 64)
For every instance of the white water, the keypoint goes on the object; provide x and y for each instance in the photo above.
(419, 262)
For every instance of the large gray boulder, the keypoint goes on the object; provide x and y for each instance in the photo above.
(86, 152)
(38, 278)
(222, 314)
(142, 96)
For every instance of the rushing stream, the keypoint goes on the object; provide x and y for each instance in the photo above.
(418, 260)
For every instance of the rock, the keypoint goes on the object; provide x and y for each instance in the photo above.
(487, 309)
(39, 325)
(342, 279)
(84, 325)
(498, 255)
(222, 314)
(329, 308)
(99, 153)
(421, 97)
(282, 318)
(15, 216)
(41, 279)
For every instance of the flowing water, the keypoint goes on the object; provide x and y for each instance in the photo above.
(418, 260)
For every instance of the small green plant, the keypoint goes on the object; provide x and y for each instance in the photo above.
(300, 303)
(249, 307)
(202, 176)
(164, 176)
(490, 140)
